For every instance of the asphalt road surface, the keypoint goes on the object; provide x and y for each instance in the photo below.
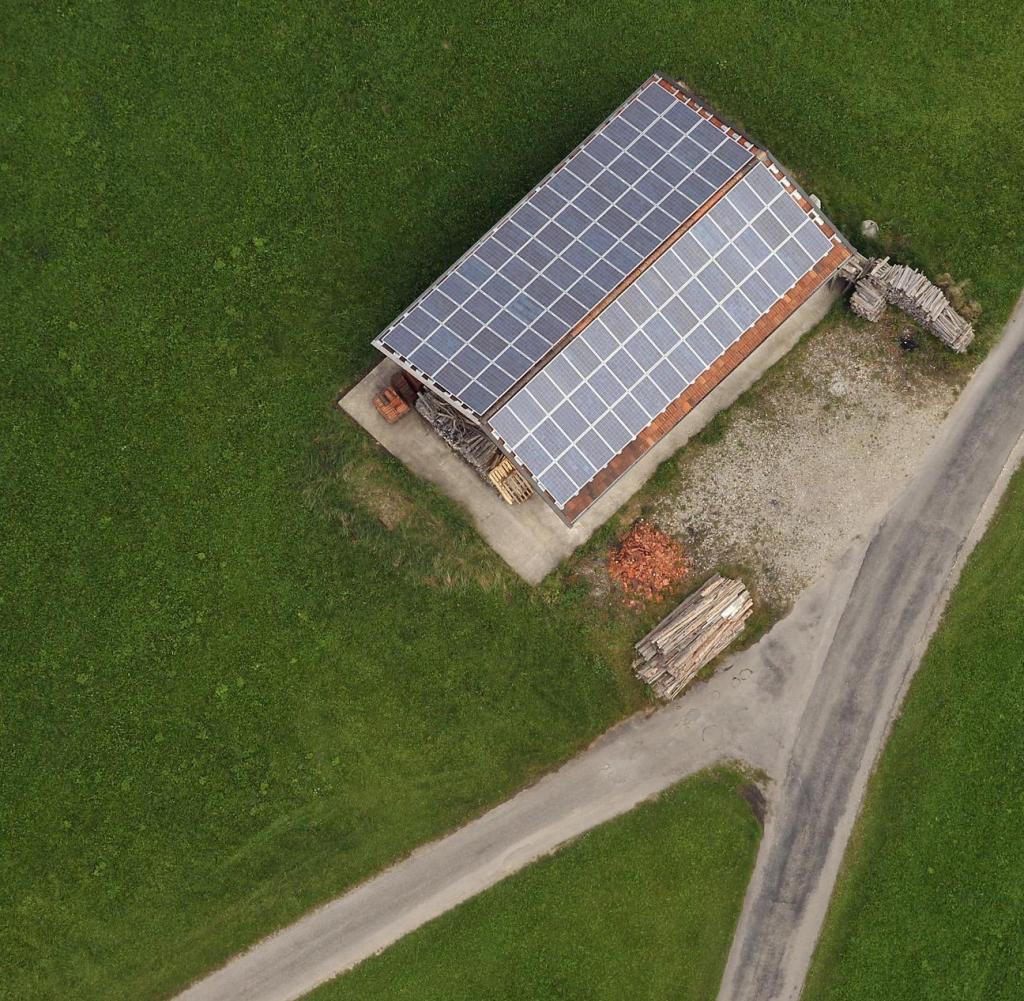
(810, 705)
(908, 568)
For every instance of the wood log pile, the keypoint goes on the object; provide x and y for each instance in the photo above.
(868, 300)
(511, 485)
(670, 656)
(853, 268)
(912, 292)
(464, 437)
(909, 290)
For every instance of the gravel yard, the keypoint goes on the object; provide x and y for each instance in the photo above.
(786, 479)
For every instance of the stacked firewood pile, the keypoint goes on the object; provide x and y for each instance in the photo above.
(459, 432)
(669, 657)
(868, 299)
(647, 562)
(853, 268)
(912, 292)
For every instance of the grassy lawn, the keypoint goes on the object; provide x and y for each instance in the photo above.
(931, 901)
(246, 661)
(642, 907)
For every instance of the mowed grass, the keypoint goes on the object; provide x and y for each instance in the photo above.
(246, 660)
(931, 901)
(642, 907)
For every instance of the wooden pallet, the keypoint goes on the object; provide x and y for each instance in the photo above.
(513, 487)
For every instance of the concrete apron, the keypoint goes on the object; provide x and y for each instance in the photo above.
(530, 537)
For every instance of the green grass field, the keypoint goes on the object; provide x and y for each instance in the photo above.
(246, 661)
(931, 900)
(642, 907)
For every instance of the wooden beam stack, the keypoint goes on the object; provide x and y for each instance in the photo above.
(868, 300)
(853, 268)
(669, 657)
(911, 291)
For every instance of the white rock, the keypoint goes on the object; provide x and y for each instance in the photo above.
(837, 387)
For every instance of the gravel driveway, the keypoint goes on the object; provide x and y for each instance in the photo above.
(812, 457)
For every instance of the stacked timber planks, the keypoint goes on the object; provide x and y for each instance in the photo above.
(853, 268)
(669, 657)
(869, 294)
(459, 432)
(868, 299)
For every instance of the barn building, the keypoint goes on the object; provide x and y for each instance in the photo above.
(618, 293)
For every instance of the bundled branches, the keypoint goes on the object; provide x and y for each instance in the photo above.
(647, 561)
(459, 432)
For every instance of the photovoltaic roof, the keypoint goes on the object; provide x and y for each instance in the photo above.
(679, 316)
(612, 288)
(564, 248)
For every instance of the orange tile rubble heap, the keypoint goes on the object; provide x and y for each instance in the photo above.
(647, 562)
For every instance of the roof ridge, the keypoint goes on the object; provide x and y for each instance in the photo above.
(556, 349)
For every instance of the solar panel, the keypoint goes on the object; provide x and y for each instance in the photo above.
(565, 247)
(664, 331)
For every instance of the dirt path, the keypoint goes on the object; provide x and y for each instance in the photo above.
(810, 705)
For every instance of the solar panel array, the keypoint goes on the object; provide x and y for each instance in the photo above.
(565, 247)
(681, 314)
